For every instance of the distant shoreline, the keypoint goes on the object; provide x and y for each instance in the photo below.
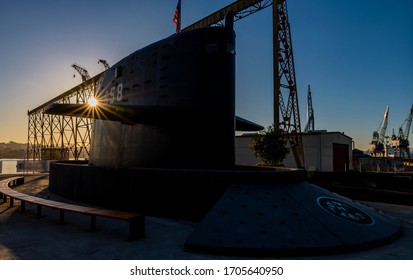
(13, 150)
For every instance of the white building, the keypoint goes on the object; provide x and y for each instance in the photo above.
(323, 151)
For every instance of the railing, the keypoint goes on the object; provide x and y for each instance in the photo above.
(20, 166)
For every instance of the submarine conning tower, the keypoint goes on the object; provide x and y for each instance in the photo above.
(186, 84)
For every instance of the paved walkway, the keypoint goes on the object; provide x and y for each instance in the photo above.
(23, 236)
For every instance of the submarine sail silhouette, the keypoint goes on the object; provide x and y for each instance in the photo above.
(170, 104)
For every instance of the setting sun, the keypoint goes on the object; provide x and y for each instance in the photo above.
(92, 101)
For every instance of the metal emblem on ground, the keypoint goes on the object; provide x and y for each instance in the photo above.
(344, 211)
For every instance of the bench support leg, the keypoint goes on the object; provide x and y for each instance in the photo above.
(4, 198)
(62, 217)
(23, 206)
(11, 202)
(92, 223)
(39, 211)
(137, 228)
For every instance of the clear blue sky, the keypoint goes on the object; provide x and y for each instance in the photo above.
(357, 55)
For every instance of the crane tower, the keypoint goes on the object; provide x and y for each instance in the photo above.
(286, 114)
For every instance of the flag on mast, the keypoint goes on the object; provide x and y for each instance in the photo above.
(177, 17)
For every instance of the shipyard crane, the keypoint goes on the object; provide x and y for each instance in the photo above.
(105, 63)
(310, 112)
(82, 72)
(378, 145)
(400, 143)
(285, 97)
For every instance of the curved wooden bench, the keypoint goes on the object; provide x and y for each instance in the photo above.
(136, 220)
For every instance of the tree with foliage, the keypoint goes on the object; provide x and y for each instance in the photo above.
(269, 145)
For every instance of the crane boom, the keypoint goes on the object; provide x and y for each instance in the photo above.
(408, 123)
(241, 9)
(82, 72)
(378, 145)
(105, 63)
(384, 123)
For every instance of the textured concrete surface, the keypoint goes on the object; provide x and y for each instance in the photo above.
(290, 219)
(23, 236)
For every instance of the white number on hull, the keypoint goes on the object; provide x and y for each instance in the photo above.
(115, 92)
(119, 92)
